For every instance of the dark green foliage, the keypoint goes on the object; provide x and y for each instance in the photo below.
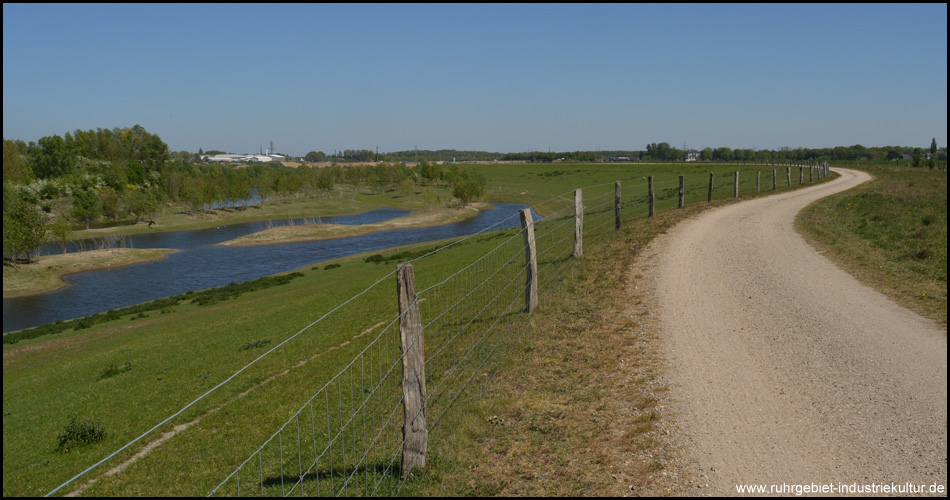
(468, 187)
(330, 266)
(234, 290)
(24, 227)
(398, 257)
(80, 433)
(87, 206)
(114, 370)
(255, 344)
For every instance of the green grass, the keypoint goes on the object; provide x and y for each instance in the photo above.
(182, 350)
(891, 233)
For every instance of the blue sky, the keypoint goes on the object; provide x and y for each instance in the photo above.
(496, 77)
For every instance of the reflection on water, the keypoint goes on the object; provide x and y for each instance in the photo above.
(200, 263)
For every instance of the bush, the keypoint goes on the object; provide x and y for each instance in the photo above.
(80, 433)
(113, 370)
(255, 344)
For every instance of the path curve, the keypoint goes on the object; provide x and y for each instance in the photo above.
(783, 369)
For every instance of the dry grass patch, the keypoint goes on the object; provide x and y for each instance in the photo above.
(311, 232)
(578, 407)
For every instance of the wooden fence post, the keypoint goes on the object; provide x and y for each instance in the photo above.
(788, 175)
(682, 192)
(736, 190)
(801, 175)
(811, 171)
(758, 182)
(709, 198)
(531, 262)
(617, 205)
(652, 198)
(578, 224)
(774, 182)
(414, 431)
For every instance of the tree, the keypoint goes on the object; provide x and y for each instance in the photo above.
(933, 147)
(61, 231)
(14, 164)
(316, 156)
(86, 206)
(52, 157)
(24, 228)
(468, 188)
(141, 203)
(110, 203)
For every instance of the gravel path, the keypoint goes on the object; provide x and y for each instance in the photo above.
(784, 369)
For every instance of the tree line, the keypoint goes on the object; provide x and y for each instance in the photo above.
(52, 187)
(653, 152)
(107, 176)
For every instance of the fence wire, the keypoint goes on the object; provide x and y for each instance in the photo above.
(347, 436)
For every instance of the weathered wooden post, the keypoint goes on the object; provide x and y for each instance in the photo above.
(801, 175)
(578, 224)
(617, 205)
(531, 262)
(788, 175)
(811, 171)
(414, 431)
(652, 198)
(682, 192)
(709, 198)
(736, 190)
(758, 182)
(774, 182)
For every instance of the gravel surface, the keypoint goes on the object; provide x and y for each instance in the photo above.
(782, 368)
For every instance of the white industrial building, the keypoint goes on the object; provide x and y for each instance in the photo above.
(263, 158)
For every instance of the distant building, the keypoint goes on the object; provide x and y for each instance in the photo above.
(229, 158)
(692, 155)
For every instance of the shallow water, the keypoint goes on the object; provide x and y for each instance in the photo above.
(200, 263)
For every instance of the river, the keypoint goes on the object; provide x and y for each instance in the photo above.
(200, 263)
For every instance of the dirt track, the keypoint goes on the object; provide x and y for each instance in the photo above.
(782, 367)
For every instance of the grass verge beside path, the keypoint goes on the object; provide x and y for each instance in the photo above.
(577, 410)
(891, 234)
(46, 274)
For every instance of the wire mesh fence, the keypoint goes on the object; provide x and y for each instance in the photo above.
(348, 436)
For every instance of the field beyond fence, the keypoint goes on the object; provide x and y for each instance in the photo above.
(351, 403)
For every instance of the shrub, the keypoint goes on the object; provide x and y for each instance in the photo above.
(255, 344)
(80, 433)
(113, 370)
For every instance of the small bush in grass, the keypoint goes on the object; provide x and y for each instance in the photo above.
(114, 370)
(331, 266)
(252, 345)
(77, 433)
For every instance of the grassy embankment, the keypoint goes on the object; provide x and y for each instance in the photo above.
(891, 234)
(171, 356)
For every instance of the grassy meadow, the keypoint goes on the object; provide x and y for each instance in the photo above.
(890, 233)
(132, 371)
